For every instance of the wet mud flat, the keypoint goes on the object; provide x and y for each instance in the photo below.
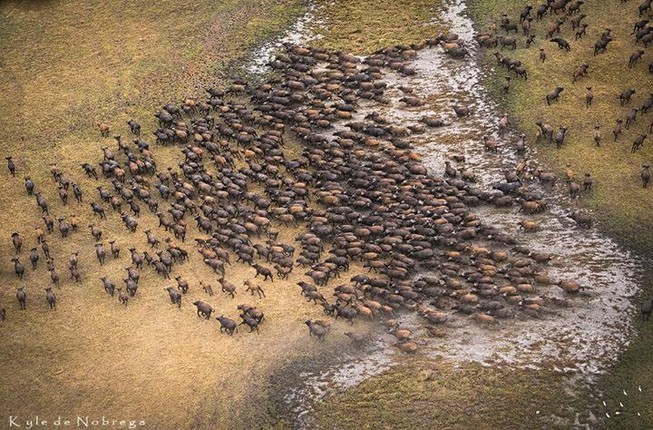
(581, 333)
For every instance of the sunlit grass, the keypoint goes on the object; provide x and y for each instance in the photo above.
(67, 66)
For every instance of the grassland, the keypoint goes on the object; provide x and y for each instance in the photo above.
(364, 27)
(428, 394)
(67, 66)
(618, 199)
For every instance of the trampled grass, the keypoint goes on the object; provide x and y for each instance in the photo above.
(424, 393)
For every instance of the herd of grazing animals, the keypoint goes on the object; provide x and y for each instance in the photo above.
(559, 13)
(356, 194)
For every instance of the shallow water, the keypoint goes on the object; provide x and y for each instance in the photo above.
(583, 337)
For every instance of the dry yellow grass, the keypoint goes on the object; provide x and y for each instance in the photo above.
(149, 360)
(66, 67)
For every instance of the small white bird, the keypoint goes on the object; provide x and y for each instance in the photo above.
(605, 404)
(621, 404)
(617, 413)
(638, 414)
(607, 415)
(625, 394)
(640, 388)
(537, 412)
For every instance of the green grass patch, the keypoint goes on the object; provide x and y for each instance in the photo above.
(428, 394)
(364, 27)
